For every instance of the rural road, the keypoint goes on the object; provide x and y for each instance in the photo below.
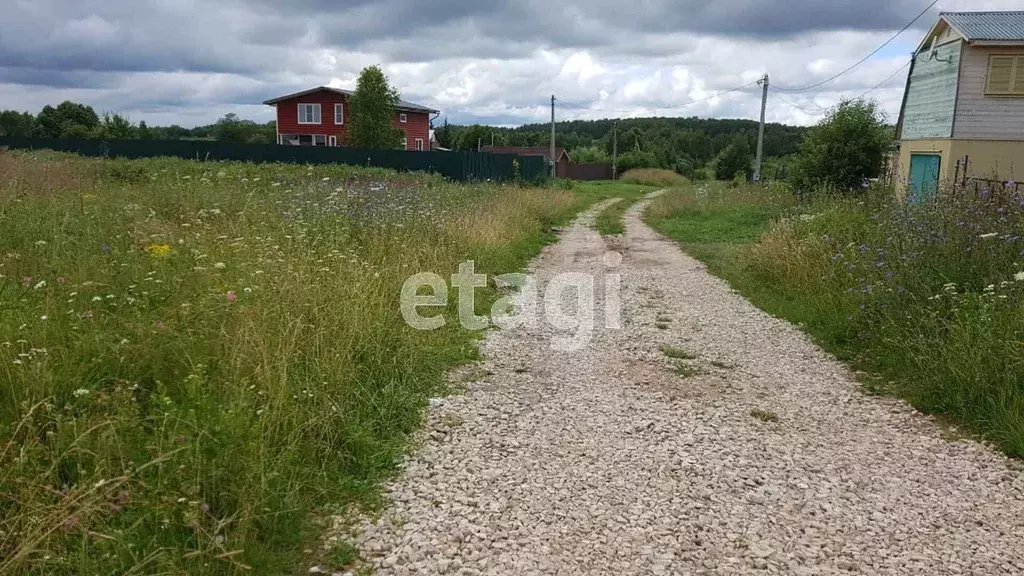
(609, 460)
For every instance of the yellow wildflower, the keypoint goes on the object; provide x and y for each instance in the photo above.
(159, 250)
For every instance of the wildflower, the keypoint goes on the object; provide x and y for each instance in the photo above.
(39, 285)
(989, 235)
(159, 250)
(26, 282)
(105, 248)
(1019, 276)
(44, 318)
(220, 265)
(247, 290)
(40, 242)
(232, 296)
(80, 392)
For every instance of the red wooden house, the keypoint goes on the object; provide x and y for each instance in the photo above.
(318, 117)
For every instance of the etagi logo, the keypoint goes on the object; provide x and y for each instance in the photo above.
(569, 302)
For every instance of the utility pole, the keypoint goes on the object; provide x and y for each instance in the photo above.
(615, 149)
(553, 172)
(760, 131)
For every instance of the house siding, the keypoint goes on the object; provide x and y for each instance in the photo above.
(932, 94)
(980, 117)
(416, 126)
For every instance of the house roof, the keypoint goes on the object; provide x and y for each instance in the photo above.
(402, 104)
(989, 27)
(544, 151)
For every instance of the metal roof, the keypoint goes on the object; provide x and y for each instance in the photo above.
(402, 104)
(987, 26)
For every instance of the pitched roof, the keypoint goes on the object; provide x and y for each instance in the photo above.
(402, 104)
(987, 26)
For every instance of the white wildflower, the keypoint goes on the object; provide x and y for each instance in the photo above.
(989, 235)
(44, 318)
(220, 265)
(80, 392)
(39, 285)
(1019, 276)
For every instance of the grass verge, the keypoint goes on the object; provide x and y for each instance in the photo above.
(199, 359)
(928, 299)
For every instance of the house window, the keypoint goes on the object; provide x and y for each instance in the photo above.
(319, 140)
(1005, 76)
(403, 118)
(309, 113)
(419, 144)
(405, 143)
(339, 113)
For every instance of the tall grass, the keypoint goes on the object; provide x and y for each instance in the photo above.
(929, 298)
(653, 177)
(198, 359)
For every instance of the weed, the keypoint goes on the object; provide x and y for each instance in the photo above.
(687, 370)
(764, 416)
(722, 365)
(677, 353)
(661, 326)
(196, 358)
(654, 177)
(342, 554)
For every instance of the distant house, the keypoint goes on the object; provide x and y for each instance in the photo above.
(963, 110)
(319, 116)
(561, 155)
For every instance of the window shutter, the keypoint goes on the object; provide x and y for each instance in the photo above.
(1018, 77)
(1000, 75)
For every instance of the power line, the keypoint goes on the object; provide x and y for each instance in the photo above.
(864, 59)
(820, 109)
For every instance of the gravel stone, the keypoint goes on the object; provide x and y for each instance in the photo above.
(607, 461)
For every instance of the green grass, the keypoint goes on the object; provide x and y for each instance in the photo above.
(927, 300)
(677, 353)
(197, 360)
(609, 221)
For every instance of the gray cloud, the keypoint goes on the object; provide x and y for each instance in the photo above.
(476, 59)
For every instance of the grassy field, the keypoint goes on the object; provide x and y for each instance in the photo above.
(928, 299)
(198, 360)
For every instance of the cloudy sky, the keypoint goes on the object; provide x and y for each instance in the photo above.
(491, 61)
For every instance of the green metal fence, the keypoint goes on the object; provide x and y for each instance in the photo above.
(462, 166)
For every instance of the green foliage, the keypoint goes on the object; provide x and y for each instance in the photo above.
(445, 135)
(230, 128)
(845, 149)
(67, 120)
(589, 154)
(373, 107)
(198, 361)
(927, 299)
(734, 161)
(633, 160)
(115, 127)
(19, 124)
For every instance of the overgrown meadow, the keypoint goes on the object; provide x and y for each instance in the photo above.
(197, 360)
(928, 298)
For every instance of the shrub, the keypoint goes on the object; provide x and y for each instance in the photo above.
(844, 150)
(632, 160)
(734, 160)
(590, 154)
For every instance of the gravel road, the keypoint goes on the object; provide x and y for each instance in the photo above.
(616, 459)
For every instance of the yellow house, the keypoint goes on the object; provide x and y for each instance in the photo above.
(962, 117)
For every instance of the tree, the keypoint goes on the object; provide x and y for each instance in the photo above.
(373, 108)
(844, 149)
(144, 133)
(631, 160)
(470, 136)
(20, 124)
(734, 159)
(445, 135)
(67, 120)
(115, 127)
(589, 154)
(231, 129)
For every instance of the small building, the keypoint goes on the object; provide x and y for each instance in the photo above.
(962, 116)
(562, 158)
(318, 117)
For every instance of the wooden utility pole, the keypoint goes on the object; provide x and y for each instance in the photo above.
(553, 172)
(615, 150)
(760, 130)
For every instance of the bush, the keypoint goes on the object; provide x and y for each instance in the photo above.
(632, 160)
(844, 150)
(589, 155)
(734, 160)
(654, 177)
